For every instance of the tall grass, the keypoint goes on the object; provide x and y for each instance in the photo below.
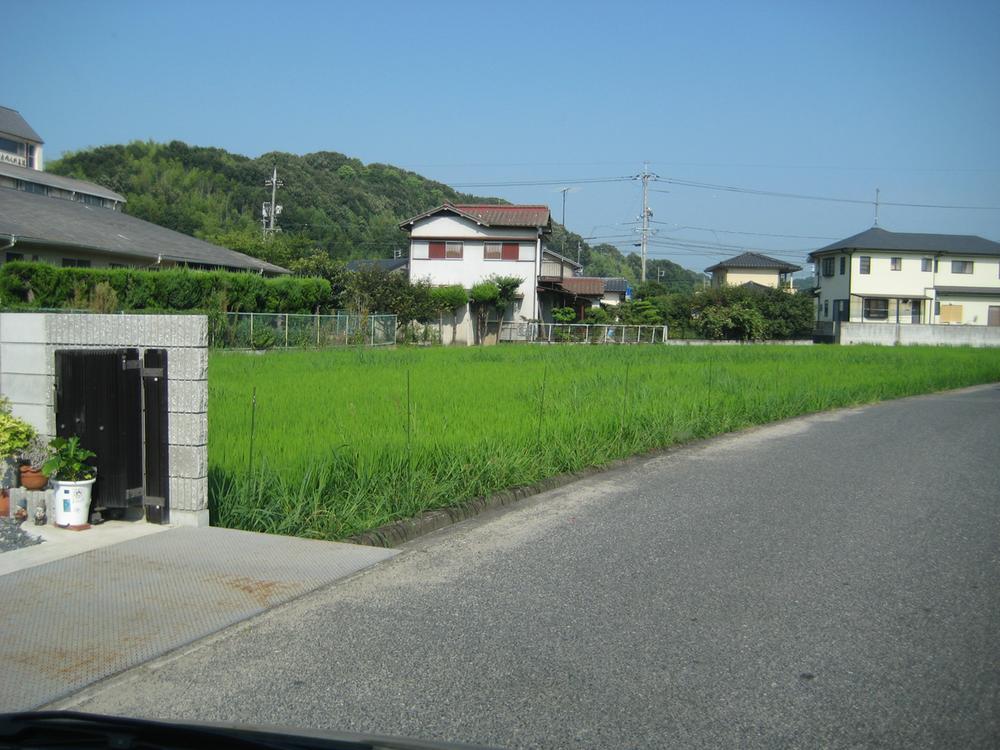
(343, 441)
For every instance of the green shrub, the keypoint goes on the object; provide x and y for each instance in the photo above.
(39, 285)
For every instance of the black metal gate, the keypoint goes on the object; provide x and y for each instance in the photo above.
(118, 408)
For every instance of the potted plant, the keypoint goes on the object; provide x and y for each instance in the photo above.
(32, 459)
(15, 435)
(72, 479)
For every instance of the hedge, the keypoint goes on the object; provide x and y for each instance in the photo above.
(25, 285)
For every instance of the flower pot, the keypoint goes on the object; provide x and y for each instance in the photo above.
(33, 479)
(72, 502)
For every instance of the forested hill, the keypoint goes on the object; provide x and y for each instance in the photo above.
(334, 207)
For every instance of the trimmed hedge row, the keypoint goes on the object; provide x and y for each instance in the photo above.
(40, 285)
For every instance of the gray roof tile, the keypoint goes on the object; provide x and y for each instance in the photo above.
(57, 222)
(11, 122)
(877, 238)
(754, 260)
(58, 181)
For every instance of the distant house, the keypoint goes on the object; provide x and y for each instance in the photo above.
(464, 244)
(753, 269)
(69, 222)
(389, 265)
(879, 276)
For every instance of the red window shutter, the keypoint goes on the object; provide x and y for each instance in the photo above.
(511, 251)
(436, 250)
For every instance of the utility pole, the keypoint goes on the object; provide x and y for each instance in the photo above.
(646, 176)
(270, 211)
(564, 191)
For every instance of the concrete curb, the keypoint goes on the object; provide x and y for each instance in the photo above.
(407, 529)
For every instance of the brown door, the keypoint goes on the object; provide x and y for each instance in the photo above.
(994, 318)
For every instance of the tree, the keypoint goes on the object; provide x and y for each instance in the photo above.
(738, 321)
(492, 293)
(450, 299)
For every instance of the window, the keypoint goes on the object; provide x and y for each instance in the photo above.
(826, 308)
(11, 257)
(11, 147)
(511, 251)
(31, 156)
(75, 263)
(453, 250)
(90, 200)
(435, 250)
(828, 266)
(32, 187)
(843, 264)
(876, 309)
(895, 264)
(492, 251)
(866, 264)
(926, 264)
(951, 313)
(961, 266)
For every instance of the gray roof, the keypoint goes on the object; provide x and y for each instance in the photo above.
(615, 284)
(877, 238)
(384, 264)
(58, 181)
(973, 291)
(11, 122)
(40, 220)
(563, 258)
(754, 260)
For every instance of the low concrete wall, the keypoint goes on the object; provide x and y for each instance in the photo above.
(728, 342)
(923, 335)
(28, 343)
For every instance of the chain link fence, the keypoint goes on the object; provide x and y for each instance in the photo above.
(287, 330)
(581, 333)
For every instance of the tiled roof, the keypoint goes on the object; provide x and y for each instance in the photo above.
(58, 181)
(877, 238)
(12, 123)
(536, 217)
(587, 286)
(38, 219)
(615, 284)
(385, 264)
(507, 216)
(754, 260)
(976, 291)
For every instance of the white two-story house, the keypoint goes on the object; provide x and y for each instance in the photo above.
(879, 276)
(466, 244)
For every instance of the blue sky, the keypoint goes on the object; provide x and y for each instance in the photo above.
(827, 98)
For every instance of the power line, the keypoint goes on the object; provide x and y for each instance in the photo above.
(752, 234)
(540, 182)
(803, 196)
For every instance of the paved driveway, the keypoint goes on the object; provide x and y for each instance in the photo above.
(827, 582)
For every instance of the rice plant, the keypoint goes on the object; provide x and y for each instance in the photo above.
(330, 443)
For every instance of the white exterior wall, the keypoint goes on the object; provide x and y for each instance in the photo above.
(473, 267)
(975, 309)
(909, 282)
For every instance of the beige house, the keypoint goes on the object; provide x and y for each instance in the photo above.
(753, 269)
(879, 276)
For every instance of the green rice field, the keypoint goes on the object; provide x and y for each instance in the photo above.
(341, 441)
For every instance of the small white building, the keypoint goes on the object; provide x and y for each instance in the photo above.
(20, 145)
(466, 244)
(879, 276)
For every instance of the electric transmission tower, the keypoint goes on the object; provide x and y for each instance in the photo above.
(271, 210)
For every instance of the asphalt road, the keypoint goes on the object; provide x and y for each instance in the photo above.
(830, 581)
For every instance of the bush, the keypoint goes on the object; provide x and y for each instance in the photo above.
(39, 285)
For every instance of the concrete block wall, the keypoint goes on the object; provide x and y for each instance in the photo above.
(29, 341)
(919, 334)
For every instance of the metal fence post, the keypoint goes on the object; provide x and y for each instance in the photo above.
(286, 330)
(250, 343)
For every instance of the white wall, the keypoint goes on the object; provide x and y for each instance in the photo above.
(975, 309)
(924, 335)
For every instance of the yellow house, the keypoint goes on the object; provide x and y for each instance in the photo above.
(753, 269)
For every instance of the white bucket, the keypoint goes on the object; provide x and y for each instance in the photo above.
(72, 502)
